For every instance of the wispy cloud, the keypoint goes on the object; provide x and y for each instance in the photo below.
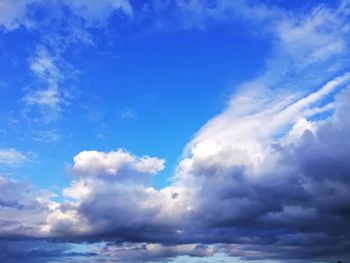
(13, 14)
(47, 96)
(16, 14)
(127, 113)
(48, 101)
(47, 135)
(12, 157)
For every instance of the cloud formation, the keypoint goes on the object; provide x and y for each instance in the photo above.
(93, 163)
(23, 209)
(268, 178)
(17, 13)
(11, 157)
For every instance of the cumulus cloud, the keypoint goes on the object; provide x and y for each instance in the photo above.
(266, 169)
(120, 182)
(115, 163)
(246, 192)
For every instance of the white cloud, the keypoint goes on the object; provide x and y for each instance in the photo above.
(45, 98)
(44, 67)
(13, 14)
(115, 163)
(47, 135)
(97, 12)
(16, 13)
(45, 103)
(11, 157)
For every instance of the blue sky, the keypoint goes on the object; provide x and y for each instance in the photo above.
(166, 131)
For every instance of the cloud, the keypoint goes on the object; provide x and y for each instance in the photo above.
(13, 14)
(47, 135)
(116, 181)
(96, 12)
(41, 251)
(200, 15)
(93, 163)
(268, 178)
(23, 209)
(150, 252)
(17, 13)
(248, 186)
(11, 157)
(45, 103)
(53, 87)
(127, 113)
(266, 169)
(46, 98)
(44, 251)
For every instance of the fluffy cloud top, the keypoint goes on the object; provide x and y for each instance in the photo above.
(117, 163)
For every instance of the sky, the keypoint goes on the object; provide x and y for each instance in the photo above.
(174, 131)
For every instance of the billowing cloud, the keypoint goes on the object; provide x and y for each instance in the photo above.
(116, 181)
(251, 192)
(93, 163)
(268, 190)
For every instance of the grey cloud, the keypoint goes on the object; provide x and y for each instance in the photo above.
(299, 206)
(40, 251)
(23, 209)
